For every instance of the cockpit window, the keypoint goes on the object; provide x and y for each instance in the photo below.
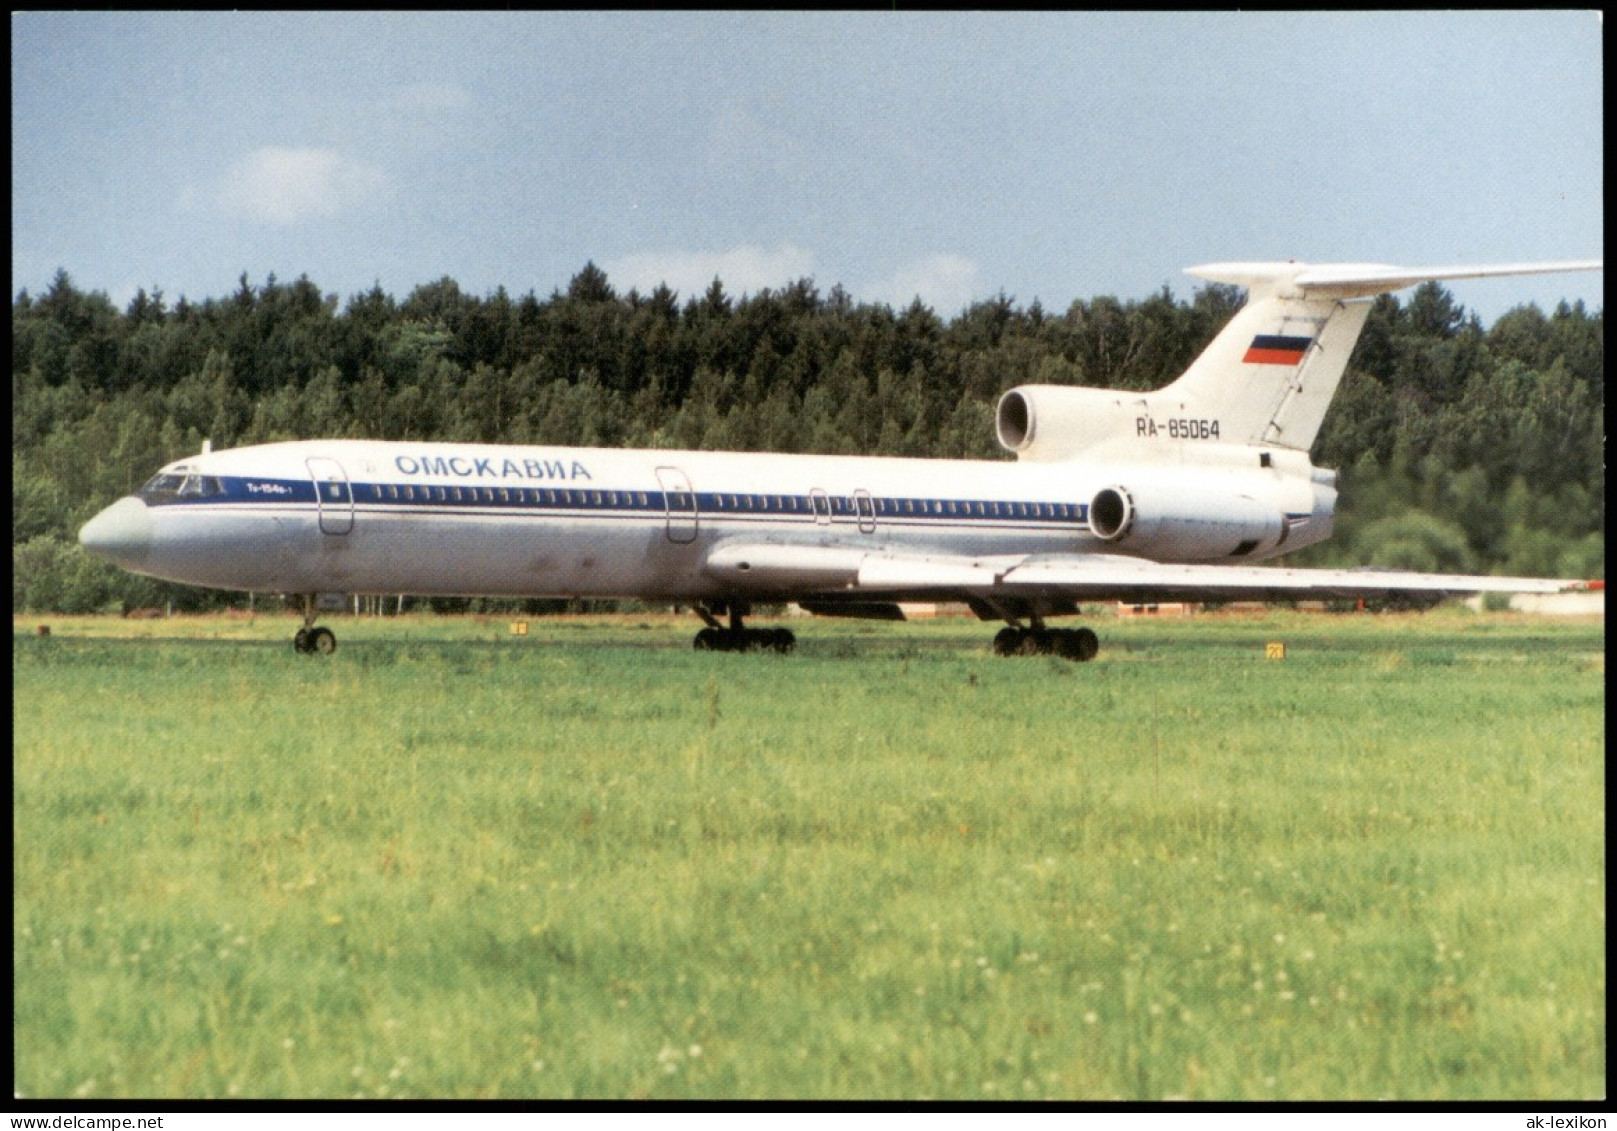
(180, 483)
(163, 486)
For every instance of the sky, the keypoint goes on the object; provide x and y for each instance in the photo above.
(950, 156)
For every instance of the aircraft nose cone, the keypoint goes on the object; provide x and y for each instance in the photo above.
(122, 533)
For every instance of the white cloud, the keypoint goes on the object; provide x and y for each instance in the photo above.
(744, 270)
(946, 283)
(288, 186)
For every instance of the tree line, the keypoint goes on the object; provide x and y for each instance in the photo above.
(1461, 447)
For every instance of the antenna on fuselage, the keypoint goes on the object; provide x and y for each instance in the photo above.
(207, 446)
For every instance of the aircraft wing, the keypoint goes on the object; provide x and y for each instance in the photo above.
(851, 573)
(1114, 577)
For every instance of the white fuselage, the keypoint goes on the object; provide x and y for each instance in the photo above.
(354, 516)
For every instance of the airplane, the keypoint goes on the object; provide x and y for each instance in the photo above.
(1114, 495)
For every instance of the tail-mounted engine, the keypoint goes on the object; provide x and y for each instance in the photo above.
(1185, 523)
(1040, 422)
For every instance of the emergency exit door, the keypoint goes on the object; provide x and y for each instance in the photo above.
(679, 504)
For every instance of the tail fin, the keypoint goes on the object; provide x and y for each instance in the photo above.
(1271, 374)
(1266, 379)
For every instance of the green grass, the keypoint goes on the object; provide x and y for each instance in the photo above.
(593, 863)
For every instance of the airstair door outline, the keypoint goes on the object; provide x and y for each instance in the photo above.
(820, 504)
(679, 504)
(864, 509)
(334, 495)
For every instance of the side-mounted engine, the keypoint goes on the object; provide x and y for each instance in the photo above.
(1184, 522)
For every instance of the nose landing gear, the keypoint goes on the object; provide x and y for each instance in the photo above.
(309, 639)
(312, 640)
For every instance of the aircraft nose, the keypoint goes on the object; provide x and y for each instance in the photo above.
(122, 533)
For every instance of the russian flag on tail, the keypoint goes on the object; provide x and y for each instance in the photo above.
(1276, 349)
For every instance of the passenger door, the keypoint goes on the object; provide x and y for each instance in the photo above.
(334, 495)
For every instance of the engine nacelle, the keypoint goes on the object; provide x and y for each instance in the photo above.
(1040, 422)
(1185, 522)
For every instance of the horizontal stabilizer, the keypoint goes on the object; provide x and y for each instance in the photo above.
(1361, 280)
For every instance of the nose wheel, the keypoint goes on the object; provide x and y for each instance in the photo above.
(315, 640)
(310, 640)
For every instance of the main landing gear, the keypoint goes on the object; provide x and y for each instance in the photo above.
(309, 639)
(1077, 644)
(735, 637)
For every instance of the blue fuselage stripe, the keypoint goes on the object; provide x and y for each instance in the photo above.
(236, 492)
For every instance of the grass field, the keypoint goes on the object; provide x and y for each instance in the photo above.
(590, 862)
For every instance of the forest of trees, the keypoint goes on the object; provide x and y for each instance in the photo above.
(1462, 448)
